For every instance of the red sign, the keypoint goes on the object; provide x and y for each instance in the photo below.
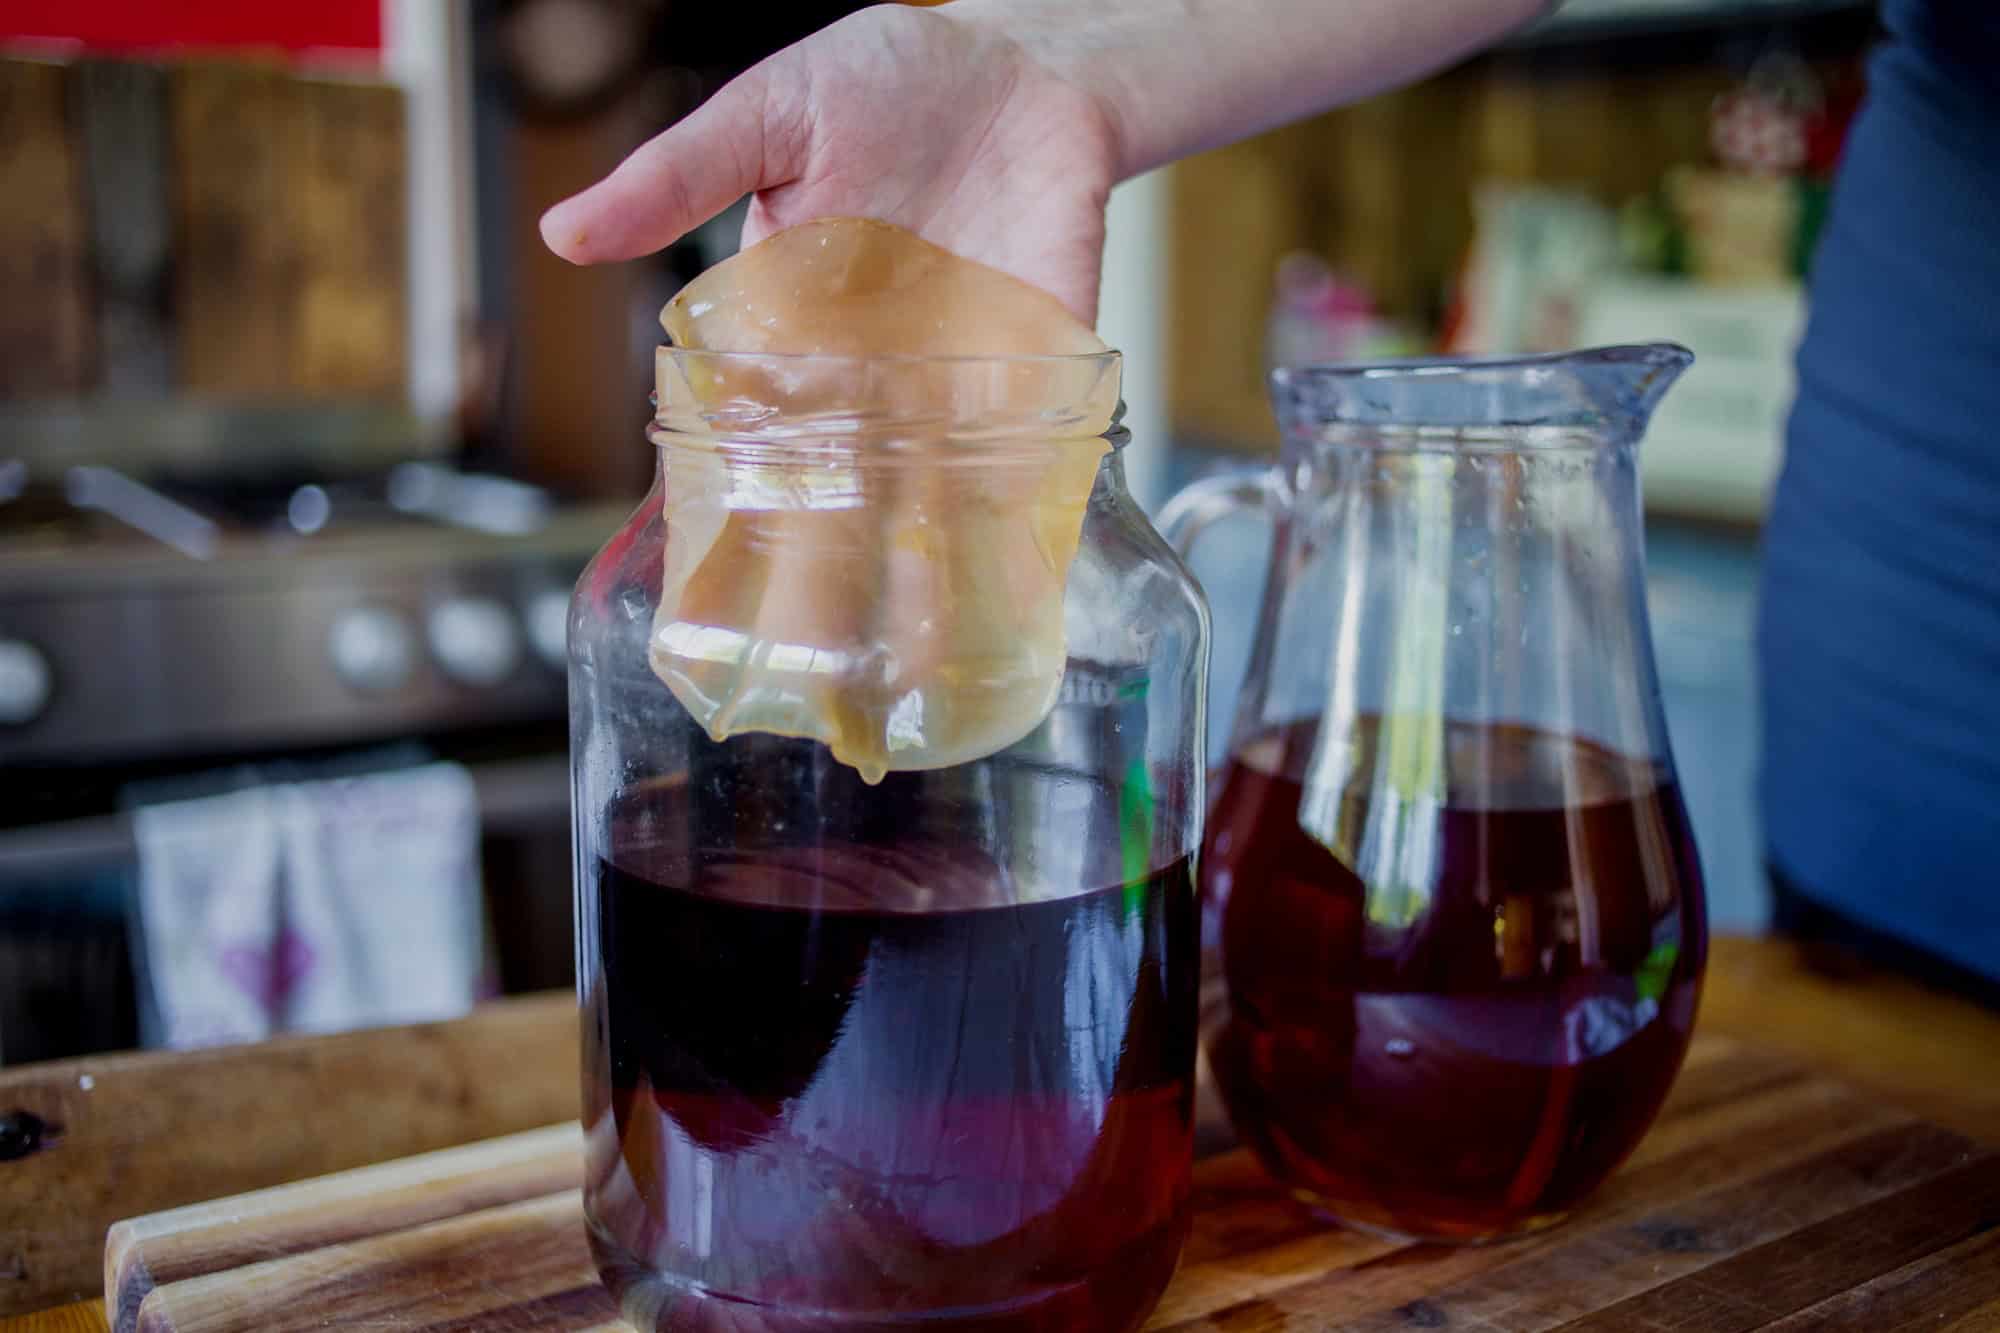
(347, 27)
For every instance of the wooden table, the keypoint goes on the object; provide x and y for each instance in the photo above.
(149, 1131)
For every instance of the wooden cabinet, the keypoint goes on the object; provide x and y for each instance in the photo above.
(217, 229)
(45, 342)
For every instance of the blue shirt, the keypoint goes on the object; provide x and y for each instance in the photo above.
(1879, 631)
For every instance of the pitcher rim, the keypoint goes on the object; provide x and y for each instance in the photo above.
(1607, 393)
(1662, 354)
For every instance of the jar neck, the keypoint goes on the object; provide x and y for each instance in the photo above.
(763, 485)
(886, 454)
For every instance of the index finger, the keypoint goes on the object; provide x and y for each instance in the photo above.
(732, 145)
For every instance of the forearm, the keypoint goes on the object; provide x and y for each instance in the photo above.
(1179, 76)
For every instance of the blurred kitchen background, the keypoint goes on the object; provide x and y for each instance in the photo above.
(304, 438)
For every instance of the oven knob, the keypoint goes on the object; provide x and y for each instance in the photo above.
(548, 627)
(371, 649)
(24, 682)
(475, 640)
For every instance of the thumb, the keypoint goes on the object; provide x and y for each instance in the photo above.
(730, 146)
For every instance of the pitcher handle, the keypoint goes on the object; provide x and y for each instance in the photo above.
(1202, 503)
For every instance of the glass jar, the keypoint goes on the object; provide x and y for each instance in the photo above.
(861, 1053)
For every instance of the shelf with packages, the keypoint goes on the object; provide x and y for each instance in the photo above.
(1523, 203)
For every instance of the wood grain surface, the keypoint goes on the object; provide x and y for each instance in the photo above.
(1765, 1192)
(154, 1131)
(135, 1134)
(1930, 1053)
(372, 1201)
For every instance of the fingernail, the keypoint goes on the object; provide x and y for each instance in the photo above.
(561, 234)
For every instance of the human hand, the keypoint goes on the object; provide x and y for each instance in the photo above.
(934, 119)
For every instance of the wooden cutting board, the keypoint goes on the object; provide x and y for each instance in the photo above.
(1764, 1198)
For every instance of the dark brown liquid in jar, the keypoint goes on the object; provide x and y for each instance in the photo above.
(862, 1082)
(1465, 1041)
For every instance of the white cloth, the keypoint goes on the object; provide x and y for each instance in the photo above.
(313, 906)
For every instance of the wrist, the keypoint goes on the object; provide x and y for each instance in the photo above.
(1175, 77)
(1067, 42)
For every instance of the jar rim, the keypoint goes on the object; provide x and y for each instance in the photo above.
(707, 356)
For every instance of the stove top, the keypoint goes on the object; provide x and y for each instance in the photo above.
(140, 620)
(93, 506)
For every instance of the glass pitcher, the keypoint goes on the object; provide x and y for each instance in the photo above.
(1451, 907)
(863, 1051)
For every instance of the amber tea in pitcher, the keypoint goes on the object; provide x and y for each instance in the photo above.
(1452, 903)
(1341, 1035)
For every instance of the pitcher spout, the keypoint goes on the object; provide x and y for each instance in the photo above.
(1626, 383)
